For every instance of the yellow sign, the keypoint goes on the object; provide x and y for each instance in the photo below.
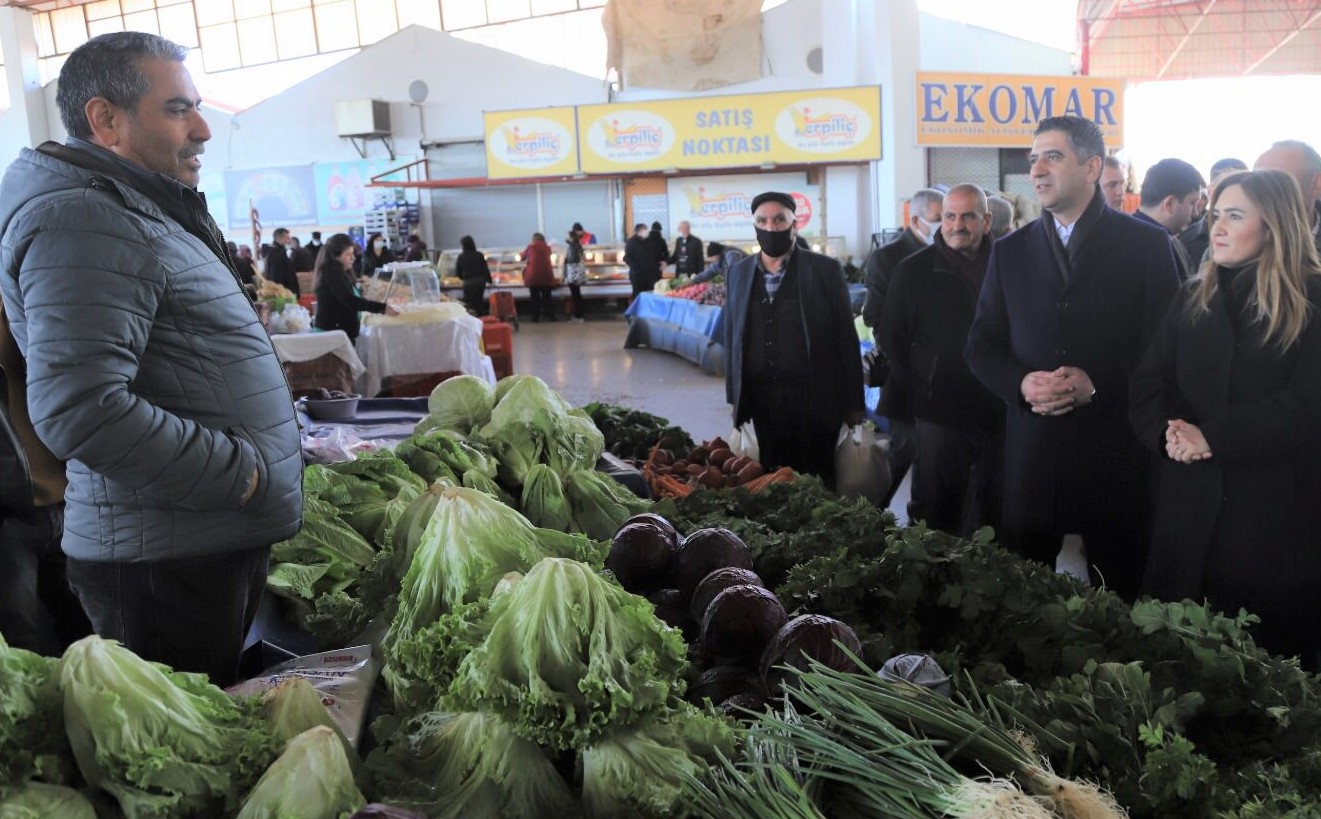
(1002, 110)
(748, 130)
(533, 142)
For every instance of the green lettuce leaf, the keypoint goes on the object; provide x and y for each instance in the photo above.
(312, 779)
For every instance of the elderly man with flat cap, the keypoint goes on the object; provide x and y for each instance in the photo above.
(793, 362)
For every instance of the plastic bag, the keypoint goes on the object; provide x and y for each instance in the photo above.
(743, 441)
(861, 468)
(344, 679)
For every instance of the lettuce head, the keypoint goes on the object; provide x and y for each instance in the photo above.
(163, 743)
(32, 741)
(463, 403)
(38, 800)
(311, 780)
(569, 657)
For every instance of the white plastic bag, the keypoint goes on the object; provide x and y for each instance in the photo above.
(861, 468)
(743, 441)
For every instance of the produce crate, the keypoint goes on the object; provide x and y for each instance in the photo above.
(329, 371)
(498, 343)
(503, 308)
(413, 386)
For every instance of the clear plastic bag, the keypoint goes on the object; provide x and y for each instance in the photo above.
(743, 441)
(861, 467)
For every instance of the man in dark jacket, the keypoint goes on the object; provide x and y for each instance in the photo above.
(923, 224)
(643, 268)
(687, 255)
(1069, 304)
(960, 424)
(166, 403)
(794, 364)
(279, 265)
(1303, 163)
(1170, 192)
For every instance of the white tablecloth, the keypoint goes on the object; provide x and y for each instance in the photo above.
(299, 347)
(414, 349)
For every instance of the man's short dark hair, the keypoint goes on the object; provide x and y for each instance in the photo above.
(1227, 165)
(639, 226)
(1112, 161)
(1170, 177)
(1084, 135)
(279, 232)
(108, 66)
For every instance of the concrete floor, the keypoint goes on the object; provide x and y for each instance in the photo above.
(587, 362)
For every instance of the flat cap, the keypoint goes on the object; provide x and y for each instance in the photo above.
(774, 196)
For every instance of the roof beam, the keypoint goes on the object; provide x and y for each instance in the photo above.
(1316, 15)
(1187, 35)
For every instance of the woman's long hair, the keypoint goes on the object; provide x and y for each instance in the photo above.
(1287, 259)
(468, 245)
(327, 261)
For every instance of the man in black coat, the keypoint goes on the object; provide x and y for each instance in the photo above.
(279, 267)
(1069, 304)
(687, 256)
(960, 424)
(793, 362)
(923, 223)
(643, 268)
(1170, 192)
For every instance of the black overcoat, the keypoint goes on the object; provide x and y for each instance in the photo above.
(1085, 470)
(1242, 528)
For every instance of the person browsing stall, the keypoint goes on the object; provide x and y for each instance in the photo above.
(155, 382)
(338, 301)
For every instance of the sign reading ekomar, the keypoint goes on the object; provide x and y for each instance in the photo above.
(1001, 110)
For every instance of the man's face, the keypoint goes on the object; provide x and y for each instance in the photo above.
(1112, 185)
(925, 223)
(963, 224)
(684, 227)
(1062, 182)
(1292, 162)
(1180, 212)
(167, 132)
(775, 216)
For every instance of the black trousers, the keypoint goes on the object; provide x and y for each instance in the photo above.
(957, 478)
(193, 614)
(1116, 556)
(542, 304)
(789, 432)
(576, 296)
(474, 296)
(38, 612)
(903, 451)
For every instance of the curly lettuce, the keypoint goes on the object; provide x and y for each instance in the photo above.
(569, 657)
(32, 741)
(312, 779)
(163, 743)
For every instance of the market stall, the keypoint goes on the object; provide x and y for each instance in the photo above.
(453, 344)
(680, 326)
(318, 359)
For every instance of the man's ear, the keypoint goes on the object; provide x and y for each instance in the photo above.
(1169, 203)
(104, 118)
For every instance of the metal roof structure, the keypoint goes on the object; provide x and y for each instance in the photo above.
(1142, 40)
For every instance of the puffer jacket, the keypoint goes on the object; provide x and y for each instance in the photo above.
(147, 369)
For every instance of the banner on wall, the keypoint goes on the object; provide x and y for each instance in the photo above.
(1002, 110)
(285, 196)
(531, 142)
(790, 127)
(719, 207)
(341, 187)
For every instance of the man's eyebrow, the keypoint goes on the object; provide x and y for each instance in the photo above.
(191, 103)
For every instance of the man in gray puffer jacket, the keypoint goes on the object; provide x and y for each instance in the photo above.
(147, 369)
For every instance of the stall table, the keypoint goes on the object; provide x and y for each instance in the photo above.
(680, 326)
(452, 345)
(318, 359)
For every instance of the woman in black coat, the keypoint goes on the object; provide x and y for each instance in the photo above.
(1228, 395)
(471, 266)
(375, 255)
(337, 299)
(659, 248)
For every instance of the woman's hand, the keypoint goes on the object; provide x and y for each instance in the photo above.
(1185, 443)
(391, 310)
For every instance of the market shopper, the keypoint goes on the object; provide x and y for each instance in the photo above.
(1303, 163)
(659, 248)
(539, 277)
(575, 272)
(1228, 395)
(959, 423)
(472, 268)
(278, 264)
(719, 259)
(1068, 306)
(1114, 182)
(1170, 192)
(157, 385)
(687, 256)
(338, 301)
(1002, 216)
(1196, 239)
(375, 255)
(643, 272)
(794, 367)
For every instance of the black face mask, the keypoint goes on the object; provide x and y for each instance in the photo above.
(775, 243)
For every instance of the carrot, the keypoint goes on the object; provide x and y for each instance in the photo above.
(782, 475)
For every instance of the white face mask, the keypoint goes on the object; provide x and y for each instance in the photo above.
(378, 244)
(930, 236)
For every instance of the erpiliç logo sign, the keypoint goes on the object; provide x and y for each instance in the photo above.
(630, 136)
(823, 125)
(531, 143)
(722, 206)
